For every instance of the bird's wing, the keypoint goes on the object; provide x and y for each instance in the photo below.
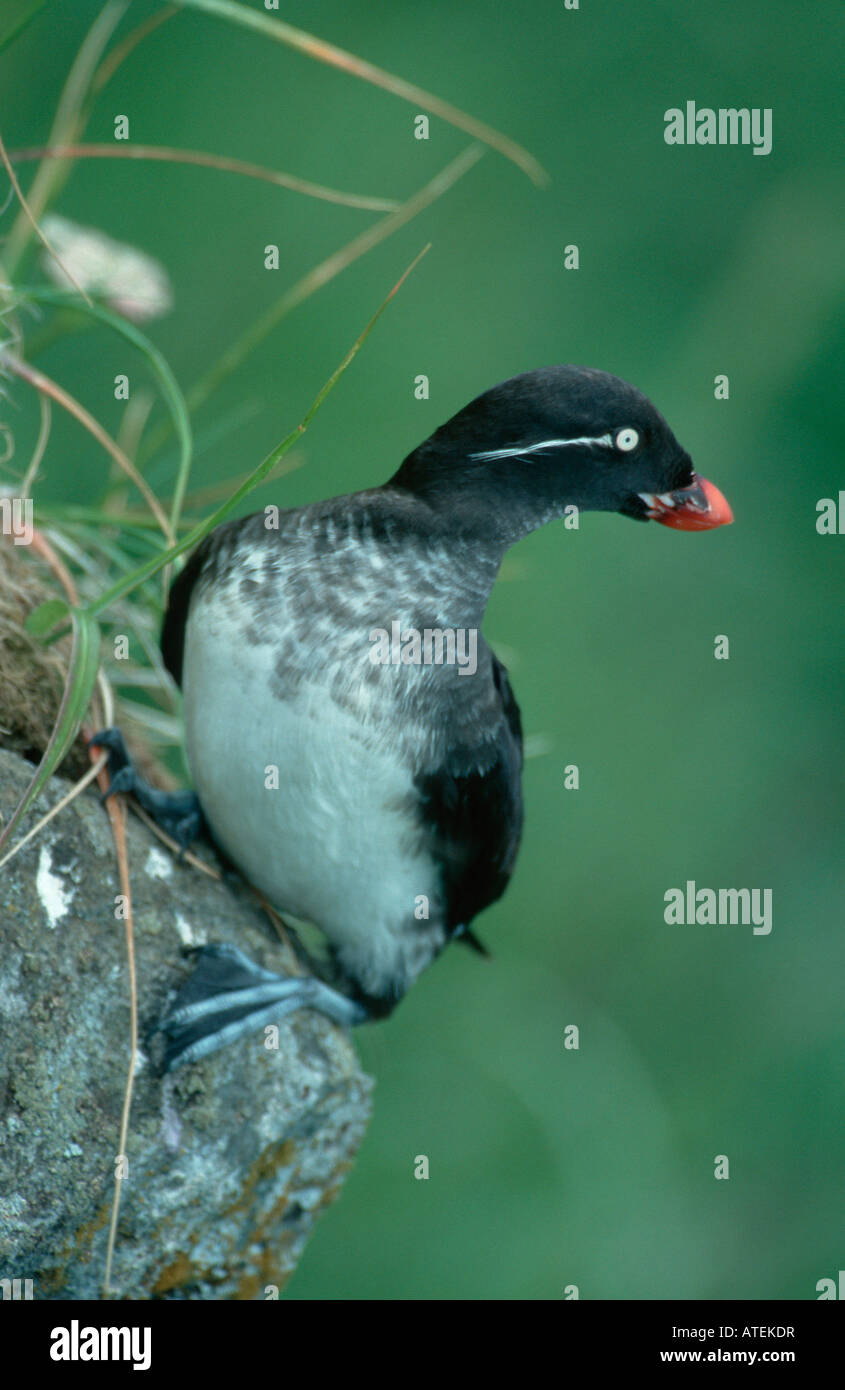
(472, 808)
(217, 548)
(176, 617)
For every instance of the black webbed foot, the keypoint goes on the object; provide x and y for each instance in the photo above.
(177, 813)
(228, 997)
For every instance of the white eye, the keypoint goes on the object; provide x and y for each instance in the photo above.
(626, 440)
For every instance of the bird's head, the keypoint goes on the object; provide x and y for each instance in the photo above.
(521, 453)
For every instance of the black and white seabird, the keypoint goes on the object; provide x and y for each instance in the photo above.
(362, 779)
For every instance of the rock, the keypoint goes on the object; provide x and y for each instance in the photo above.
(229, 1160)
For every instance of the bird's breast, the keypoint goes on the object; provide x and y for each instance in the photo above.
(310, 792)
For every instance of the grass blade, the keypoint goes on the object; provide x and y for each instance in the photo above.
(44, 384)
(16, 16)
(326, 271)
(165, 154)
(143, 572)
(67, 123)
(79, 686)
(28, 213)
(324, 52)
(160, 369)
(121, 51)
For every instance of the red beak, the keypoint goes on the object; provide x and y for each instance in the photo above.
(698, 507)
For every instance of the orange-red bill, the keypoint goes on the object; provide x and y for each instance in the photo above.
(699, 507)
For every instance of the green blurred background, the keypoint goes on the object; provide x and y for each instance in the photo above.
(552, 1167)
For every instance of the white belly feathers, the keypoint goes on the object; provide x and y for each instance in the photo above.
(315, 809)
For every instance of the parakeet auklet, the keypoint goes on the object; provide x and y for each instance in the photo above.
(355, 745)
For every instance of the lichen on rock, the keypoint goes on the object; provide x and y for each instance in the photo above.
(230, 1160)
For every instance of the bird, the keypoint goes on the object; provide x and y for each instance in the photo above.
(354, 743)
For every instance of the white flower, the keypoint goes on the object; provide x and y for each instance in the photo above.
(128, 279)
